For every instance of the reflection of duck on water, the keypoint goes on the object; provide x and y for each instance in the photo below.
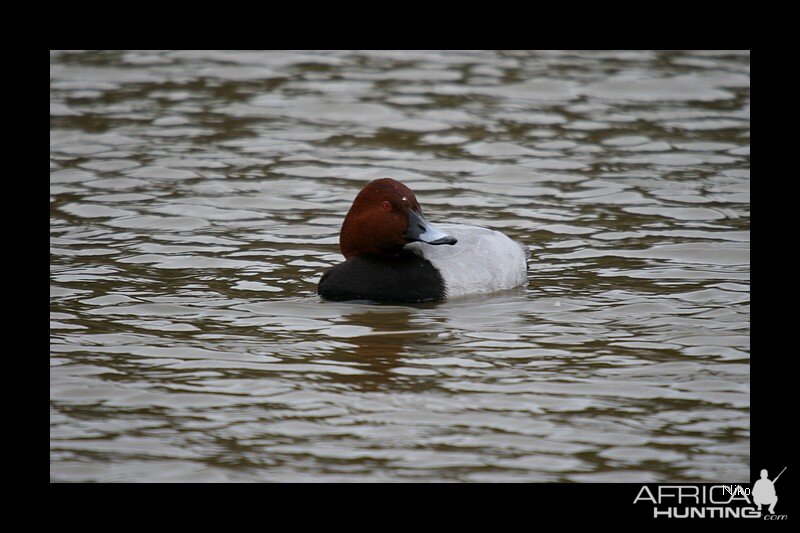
(764, 491)
(379, 351)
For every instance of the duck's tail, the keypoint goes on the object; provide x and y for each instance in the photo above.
(525, 250)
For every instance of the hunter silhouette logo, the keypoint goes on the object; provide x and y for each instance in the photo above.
(764, 491)
(713, 501)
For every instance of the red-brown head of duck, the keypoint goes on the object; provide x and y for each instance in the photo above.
(384, 217)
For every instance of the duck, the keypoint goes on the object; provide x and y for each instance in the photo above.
(393, 254)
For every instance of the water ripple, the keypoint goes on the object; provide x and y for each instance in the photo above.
(196, 198)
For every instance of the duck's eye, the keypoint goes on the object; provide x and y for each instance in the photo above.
(387, 206)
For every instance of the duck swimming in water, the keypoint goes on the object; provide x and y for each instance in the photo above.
(393, 254)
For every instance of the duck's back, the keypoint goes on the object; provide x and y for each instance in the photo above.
(482, 260)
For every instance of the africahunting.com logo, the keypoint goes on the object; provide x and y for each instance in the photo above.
(714, 501)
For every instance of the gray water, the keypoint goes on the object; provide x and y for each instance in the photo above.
(196, 199)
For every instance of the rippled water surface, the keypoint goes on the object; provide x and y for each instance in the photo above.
(196, 198)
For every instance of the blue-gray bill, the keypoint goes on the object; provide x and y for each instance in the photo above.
(421, 230)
